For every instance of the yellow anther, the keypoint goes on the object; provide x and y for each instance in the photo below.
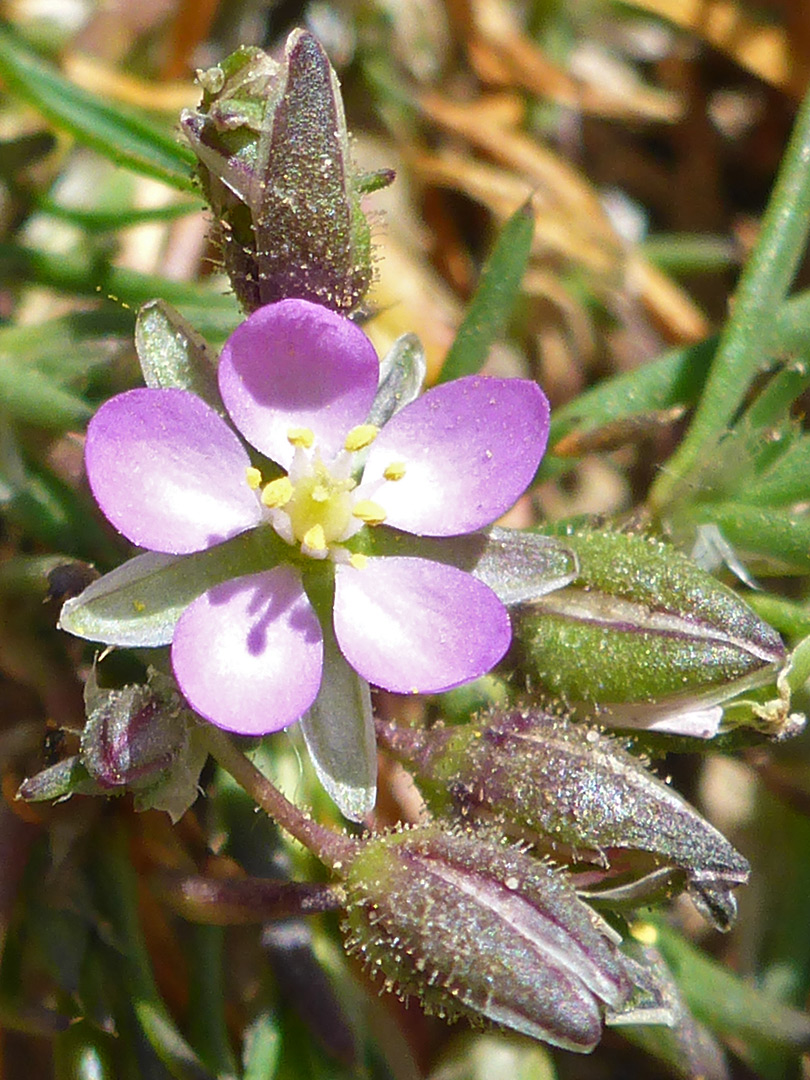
(301, 436)
(369, 512)
(360, 437)
(253, 477)
(139, 605)
(315, 538)
(644, 932)
(358, 561)
(277, 493)
(394, 471)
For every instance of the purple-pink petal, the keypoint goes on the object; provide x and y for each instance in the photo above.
(168, 472)
(415, 626)
(470, 449)
(248, 654)
(296, 364)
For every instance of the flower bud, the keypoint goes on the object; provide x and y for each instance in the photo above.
(476, 928)
(274, 164)
(570, 786)
(132, 736)
(646, 635)
(139, 739)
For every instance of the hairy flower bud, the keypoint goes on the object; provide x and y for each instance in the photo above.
(132, 735)
(476, 928)
(546, 778)
(646, 635)
(138, 739)
(274, 164)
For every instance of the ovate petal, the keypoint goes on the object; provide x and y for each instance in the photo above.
(296, 364)
(415, 626)
(470, 448)
(248, 654)
(168, 472)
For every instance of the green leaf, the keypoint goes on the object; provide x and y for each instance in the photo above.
(786, 481)
(677, 377)
(262, 1046)
(32, 398)
(124, 135)
(492, 304)
(756, 1024)
(774, 535)
(214, 314)
(101, 221)
(747, 337)
(690, 253)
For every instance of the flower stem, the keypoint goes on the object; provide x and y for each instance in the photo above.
(332, 849)
(747, 340)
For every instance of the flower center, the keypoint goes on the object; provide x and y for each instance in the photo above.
(320, 507)
(315, 506)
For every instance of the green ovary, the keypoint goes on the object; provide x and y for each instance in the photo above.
(322, 500)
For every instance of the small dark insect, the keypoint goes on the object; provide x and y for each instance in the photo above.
(69, 579)
(53, 742)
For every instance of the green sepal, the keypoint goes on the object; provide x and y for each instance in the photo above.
(173, 354)
(138, 604)
(518, 566)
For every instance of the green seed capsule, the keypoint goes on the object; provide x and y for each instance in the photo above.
(646, 635)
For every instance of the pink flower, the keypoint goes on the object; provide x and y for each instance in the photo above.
(298, 381)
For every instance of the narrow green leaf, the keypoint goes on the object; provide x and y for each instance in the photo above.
(101, 221)
(781, 539)
(758, 1025)
(261, 1049)
(207, 1000)
(790, 618)
(676, 377)
(747, 338)
(213, 314)
(32, 398)
(771, 406)
(115, 889)
(690, 253)
(124, 135)
(786, 481)
(494, 298)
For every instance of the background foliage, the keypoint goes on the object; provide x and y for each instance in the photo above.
(647, 135)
